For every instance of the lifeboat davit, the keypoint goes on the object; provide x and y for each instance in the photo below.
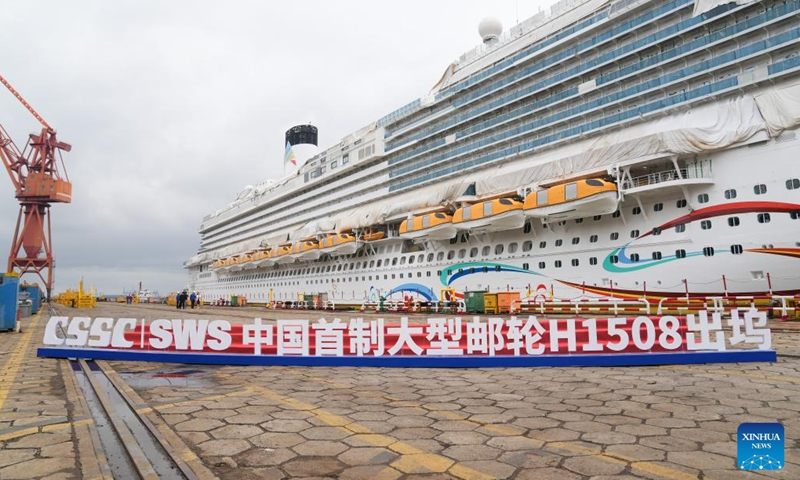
(344, 243)
(431, 226)
(307, 249)
(284, 254)
(582, 198)
(264, 258)
(490, 216)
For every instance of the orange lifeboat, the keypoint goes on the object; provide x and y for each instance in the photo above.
(490, 216)
(578, 199)
(343, 243)
(431, 226)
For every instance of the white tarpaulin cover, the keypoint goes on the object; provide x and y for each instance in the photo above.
(702, 6)
(780, 108)
(708, 127)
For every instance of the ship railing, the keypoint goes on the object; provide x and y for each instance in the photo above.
(581, 305)
(655, 178)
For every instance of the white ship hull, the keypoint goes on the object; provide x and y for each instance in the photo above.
(768, 262)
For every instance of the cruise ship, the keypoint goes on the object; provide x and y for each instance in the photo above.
(634, 148)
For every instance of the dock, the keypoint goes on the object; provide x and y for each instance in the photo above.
(239, 422)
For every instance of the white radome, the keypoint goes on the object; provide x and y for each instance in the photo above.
(490, 28)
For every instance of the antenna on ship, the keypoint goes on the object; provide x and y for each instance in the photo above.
(490, 29)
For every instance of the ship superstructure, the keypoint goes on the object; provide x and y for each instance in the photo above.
(607, 147)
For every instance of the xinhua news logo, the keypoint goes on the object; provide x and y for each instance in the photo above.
(760, 446)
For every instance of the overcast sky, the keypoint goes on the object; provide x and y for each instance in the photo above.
(172, 107)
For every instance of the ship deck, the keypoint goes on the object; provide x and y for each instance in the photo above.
(675, 422)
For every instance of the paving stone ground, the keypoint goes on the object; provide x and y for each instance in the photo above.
(673, 422)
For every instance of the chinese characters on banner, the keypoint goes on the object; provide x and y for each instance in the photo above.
(517, 336)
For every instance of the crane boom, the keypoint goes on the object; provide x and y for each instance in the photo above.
(24, 103)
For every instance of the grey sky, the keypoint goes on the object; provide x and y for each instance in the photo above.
(172, 107)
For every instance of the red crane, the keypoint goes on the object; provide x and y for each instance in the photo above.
(39, 182)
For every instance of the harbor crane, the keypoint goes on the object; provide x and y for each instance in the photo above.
(40, 179)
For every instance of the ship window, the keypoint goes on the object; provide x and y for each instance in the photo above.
(464, 237)
(326, 270)
(559, 242)
(334, 164)
(592, 260)
(705, 224)
(576, 240)
(499, 249)
(597, 217)
(541, 265)
(440, 216)
(439, 256)
(656, 255)
(571, 191)
(451, 254)
(658, 207)
(680, 228)
(410, 260)
(527, 227)
(730, 194)
(462, 253)
(681, 203)
(393, 276)
(373, 261)
(512, 247)
(394, 261)
(575, 262)
(428, 273)
(487, 209)
(794, 214)
(634, 257)
(593, 239)
(613, 259)
(358, 265)
(733, 221)
(656, 231)
(497, 268)
(345, 159)
(708, 251)
(485, 269)
(614, 235)
(760, 189)
(473, 252)
(737, 249)
(401, 276)
(485, 250)
(472, 270)
(615, 214)
(578, 220)
(594, 183)
(637, 210)
(420, 257)
(466, 213)
(541, 197)
(430, 257)
(793, 184)
(527, 246)
(542, 244)
(634, 233)
(526, 266)
(557, 263)
(763, 218)
(702, 198)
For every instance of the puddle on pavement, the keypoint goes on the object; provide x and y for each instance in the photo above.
(169, 378)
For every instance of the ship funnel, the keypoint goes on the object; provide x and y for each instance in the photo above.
(301, 144)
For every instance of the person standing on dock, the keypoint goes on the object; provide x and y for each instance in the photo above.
(178, 301)
(193, 299)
